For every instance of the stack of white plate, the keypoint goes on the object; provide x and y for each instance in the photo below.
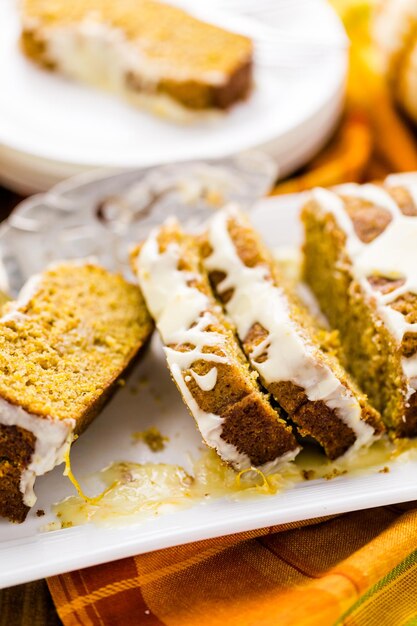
(52, 128)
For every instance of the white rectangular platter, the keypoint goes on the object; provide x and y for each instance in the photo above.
(28, 553)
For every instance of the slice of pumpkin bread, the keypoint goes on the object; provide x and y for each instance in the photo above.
(154, 54)
(280, 342)
(63, 344)
(220, 390)
(360, 260)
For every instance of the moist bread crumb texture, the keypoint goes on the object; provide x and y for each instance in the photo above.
(16, 448)
(63, 345)
(360, 261)
(199, 65)
(280, 339)
(218, 386)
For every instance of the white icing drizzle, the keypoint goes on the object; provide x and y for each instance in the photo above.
(371, 193)
(97, 52)
(208, 381)
(182, 312)
(289, 354)
(211, 427)
(100, 55)
(392, 254)
(182, 316)
(209, 424)
(52, 438)
(332, 203)
(407, 180)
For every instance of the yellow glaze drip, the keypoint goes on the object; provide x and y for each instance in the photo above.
(265, 485)
(135, 492)
(68, 472)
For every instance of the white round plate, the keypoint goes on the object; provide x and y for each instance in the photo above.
(67, 126)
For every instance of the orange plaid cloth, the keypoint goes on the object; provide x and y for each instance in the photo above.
(308, 574)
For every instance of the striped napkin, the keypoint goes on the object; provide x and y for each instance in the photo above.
(356, 569)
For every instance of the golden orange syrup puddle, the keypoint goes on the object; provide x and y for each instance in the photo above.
(134, 492)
